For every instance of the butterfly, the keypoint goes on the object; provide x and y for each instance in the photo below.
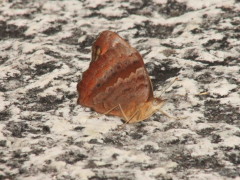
(117, 82)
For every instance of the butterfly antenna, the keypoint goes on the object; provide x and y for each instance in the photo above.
(168, 86)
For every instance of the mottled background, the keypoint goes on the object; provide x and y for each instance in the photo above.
(46, 45)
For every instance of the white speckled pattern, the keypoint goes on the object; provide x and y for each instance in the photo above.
(45, 46)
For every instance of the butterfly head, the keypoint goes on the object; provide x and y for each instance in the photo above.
(147, 109)
(157, 103)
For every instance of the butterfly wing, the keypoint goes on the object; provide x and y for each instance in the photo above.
(116, 75)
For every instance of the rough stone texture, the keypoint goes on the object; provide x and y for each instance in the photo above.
(45, 47)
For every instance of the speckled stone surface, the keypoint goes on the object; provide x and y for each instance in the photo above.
(46, 45)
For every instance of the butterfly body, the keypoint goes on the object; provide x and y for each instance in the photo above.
(117, 78)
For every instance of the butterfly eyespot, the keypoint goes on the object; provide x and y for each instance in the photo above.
(96, 51)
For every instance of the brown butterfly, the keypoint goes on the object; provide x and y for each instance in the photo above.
(117, 82)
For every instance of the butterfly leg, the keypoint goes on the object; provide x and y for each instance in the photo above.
(111, 110)
(134, 114)
(124, 115)
(171, 117)
(166, 114)
(121, 109)
(127, 120)
(117, 106)
(107, 111)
